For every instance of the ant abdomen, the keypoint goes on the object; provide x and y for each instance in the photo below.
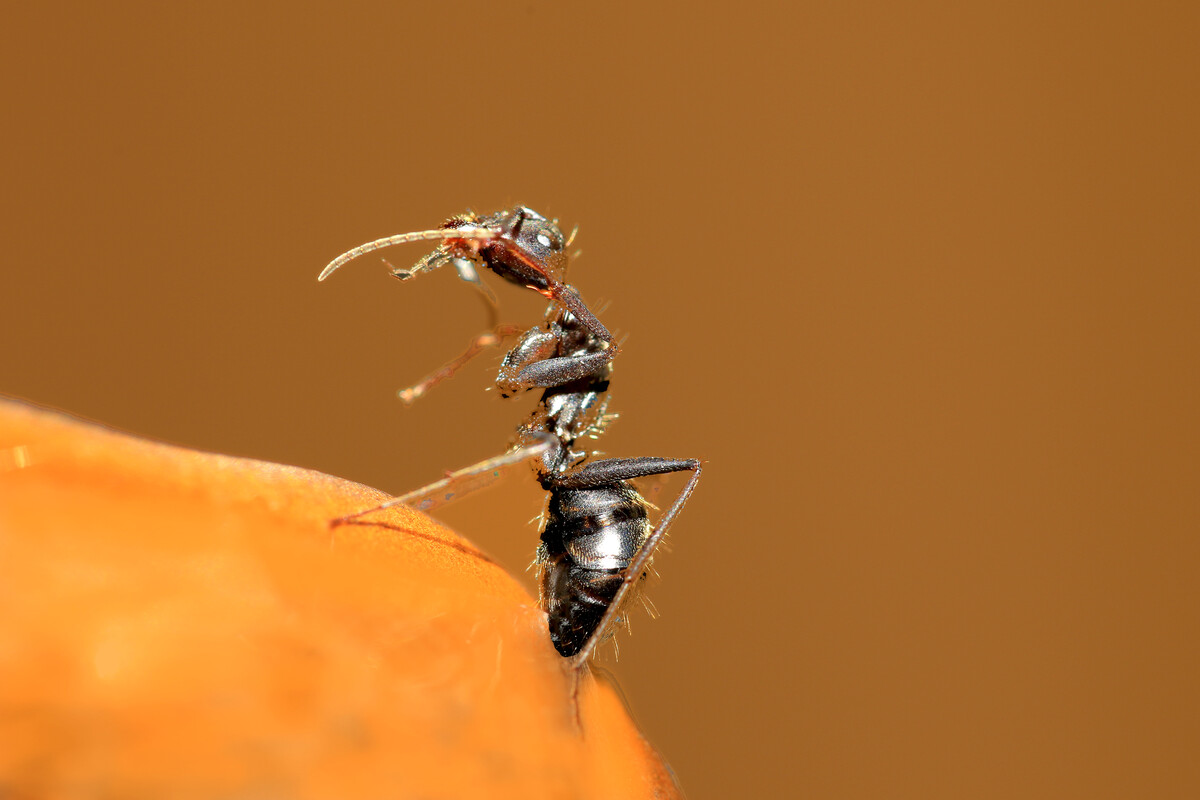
(590, 537)
(575, 601)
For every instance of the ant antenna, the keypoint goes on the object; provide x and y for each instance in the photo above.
(469, 232)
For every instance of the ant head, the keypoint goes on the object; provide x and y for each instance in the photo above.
(527, 229)
(519, 245)
(528, 249)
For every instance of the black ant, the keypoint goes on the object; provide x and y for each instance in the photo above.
(597, 541)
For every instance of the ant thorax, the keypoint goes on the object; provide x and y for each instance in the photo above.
(574, 409)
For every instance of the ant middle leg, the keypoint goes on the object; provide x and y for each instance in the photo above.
(480, 343)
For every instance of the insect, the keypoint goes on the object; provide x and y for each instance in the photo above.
(596, 540)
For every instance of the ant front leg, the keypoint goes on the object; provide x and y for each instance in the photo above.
(536, 363)
(611, 471)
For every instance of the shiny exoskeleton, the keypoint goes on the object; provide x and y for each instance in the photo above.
(596, 531)
(597, 540)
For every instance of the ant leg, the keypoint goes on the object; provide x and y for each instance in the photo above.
(558, 371)
(543, 373)
(428, 263)
(461, 482)
(478, 345)
(467, 272)
(612, 470)
(536, 346)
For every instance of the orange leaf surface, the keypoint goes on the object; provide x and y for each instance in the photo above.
(176, 623)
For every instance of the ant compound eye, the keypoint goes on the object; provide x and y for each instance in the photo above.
(549, 238)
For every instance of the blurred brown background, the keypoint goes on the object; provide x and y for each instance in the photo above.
(918, 282)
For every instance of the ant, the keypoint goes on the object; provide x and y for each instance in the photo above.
(596, 540)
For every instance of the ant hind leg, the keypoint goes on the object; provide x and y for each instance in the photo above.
(460, 483)
(613, 470)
